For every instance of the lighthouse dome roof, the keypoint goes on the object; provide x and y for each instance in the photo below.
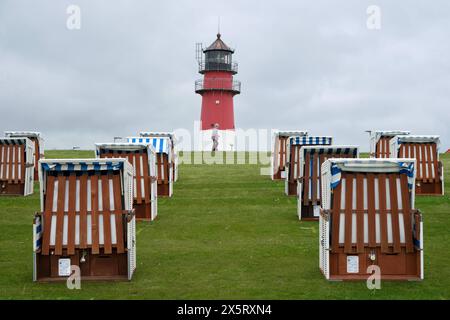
(218, 45)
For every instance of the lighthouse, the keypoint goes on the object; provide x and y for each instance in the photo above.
(217, 89)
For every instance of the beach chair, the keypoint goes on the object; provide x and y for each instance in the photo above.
(307, 172)
(174, 142)
(380, 142)
(164, 162)
(279, 152)
(368, 220)
(86, 220)
(425, 149)
(143, 159)
(16, 166)
(293, 159)
(38, 142)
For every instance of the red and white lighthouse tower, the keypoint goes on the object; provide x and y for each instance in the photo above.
(217, 89)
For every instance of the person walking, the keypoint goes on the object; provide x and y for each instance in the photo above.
(215, 136)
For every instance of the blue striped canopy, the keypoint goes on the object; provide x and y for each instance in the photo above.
(161, 144)
(403, 168)
(310, 140)
(82, 166)
(417, 139)
(353, 150)
(13, 141)
(13, 134)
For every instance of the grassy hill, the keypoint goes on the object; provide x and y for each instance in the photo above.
(229, 233)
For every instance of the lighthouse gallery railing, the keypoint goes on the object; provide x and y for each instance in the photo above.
(218, 84)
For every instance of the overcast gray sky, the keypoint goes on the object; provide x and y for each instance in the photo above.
(303, 65)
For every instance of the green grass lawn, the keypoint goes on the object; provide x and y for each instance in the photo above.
(227, 233)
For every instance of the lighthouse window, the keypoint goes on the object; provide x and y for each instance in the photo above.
(218, 57)
(218, 60)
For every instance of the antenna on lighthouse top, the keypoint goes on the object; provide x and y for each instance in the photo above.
(218, 25)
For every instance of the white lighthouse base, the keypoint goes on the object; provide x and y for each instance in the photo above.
(227, 140)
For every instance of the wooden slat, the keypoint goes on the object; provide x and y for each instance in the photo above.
(283, 148)
(406, 147)
(280, 156)
(291, 164)
(383, 213)
(10, 163)
(159, 167)
(415, 151)
(348, 248)
(394, 212)
(118, 213)
(71, 213)
(371, 209)
(5, 162)
(336, 215)
(314, 179)
(138, 177)
(401, 151)
(435, 164)
(417, 227)
(166, 168)
(83, 211)
(359, 213)
(48, 206)
(23, 163)
(429, 163)
(277, 154)
(306, 177)
(377, 149)
(16, 164)
(106, 214)
(387, 149)
(321, 161)
(423, 160)
(2, 147)
(94, 214)
(406, 208)
(417, 156)
(60, 214)
(421, 164)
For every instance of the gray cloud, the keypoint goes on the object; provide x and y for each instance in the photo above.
(303, 65)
